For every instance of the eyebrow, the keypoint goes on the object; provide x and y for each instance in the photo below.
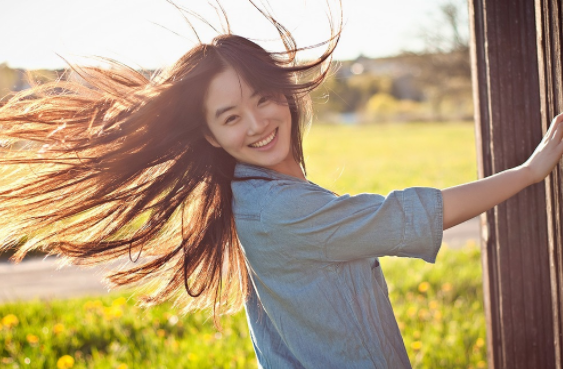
(223, 110)
(220, 111)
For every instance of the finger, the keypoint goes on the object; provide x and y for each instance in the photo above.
(558, 133)
(555, 122)
(557, 119)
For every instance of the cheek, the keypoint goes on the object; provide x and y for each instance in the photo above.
(231, 138)
(287, 114)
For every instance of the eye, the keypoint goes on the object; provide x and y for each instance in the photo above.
(264, 99)
(230, 119)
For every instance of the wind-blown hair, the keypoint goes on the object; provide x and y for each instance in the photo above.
(117, 165)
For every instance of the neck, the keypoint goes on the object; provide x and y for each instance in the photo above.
(290, 168)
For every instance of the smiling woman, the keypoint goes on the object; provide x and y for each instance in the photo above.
(254, 128)
(121, 165)
(200, 171)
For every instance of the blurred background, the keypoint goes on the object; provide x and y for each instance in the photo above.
(396, 61)
(396, 111)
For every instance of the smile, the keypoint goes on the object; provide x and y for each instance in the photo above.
(265, 141)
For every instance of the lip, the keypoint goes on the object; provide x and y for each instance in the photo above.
(270, 144)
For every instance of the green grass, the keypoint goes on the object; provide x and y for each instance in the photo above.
(440, 315)
(109, 331)
(439, 307)
(381, 158)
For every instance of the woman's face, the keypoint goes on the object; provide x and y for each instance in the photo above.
(252, 127)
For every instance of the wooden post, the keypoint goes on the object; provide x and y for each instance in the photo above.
(549, 39)
(515, 245)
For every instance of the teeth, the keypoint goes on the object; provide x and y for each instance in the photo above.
(265, 141)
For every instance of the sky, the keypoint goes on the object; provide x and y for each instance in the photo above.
(150, 34)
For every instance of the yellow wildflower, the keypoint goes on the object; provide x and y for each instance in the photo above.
(113, 312)
(480, 342)
(91, 305)
(433, 305)
(192, 356)
(424, 286)
(10, 320)
(416, 345)
(446, 287)
(65, 362)
(411, 311)
(481, 364)
(122, 366)
(161, 333)
(32, 339)
(58, 328)
(119, 301)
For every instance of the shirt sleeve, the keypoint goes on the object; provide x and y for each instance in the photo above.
(315, 223)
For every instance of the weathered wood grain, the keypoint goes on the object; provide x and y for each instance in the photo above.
(516, 246)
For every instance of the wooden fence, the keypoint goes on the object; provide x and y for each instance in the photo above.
(516, 58)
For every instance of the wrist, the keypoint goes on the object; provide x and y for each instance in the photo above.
(527, 175)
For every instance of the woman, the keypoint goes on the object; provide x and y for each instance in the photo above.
(199, 176)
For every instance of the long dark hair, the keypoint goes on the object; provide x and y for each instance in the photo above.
(116, 165)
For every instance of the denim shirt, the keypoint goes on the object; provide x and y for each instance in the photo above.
(319, 298)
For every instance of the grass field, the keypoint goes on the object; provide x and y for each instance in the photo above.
(440, 315)
(380, 158)
(439, 307)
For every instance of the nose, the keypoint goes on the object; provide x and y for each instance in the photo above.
(256, 123)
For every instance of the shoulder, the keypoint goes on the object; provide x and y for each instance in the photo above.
(259, 194)
(276, 192)
(294, 193)
(288, 202)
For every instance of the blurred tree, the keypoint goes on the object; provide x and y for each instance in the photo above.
(444, 64)
(348, 94)
(381, 107)
(384, 107)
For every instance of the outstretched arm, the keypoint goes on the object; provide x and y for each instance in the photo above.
(471, 199)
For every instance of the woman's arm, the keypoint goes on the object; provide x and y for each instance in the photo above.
(471, 199)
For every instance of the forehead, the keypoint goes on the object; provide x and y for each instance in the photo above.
(226, 88)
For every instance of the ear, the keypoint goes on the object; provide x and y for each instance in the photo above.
(212, 140)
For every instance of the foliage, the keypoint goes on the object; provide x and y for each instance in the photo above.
(345, 94)
(440, 315)
(383, 107)
(433, 84)
(445, 65)
(110, 331)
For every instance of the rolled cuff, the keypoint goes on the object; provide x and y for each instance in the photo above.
(424, 224)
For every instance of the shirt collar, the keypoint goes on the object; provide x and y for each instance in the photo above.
(244, 170)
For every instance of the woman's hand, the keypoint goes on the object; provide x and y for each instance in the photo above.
(548, 153)
(469, 200)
